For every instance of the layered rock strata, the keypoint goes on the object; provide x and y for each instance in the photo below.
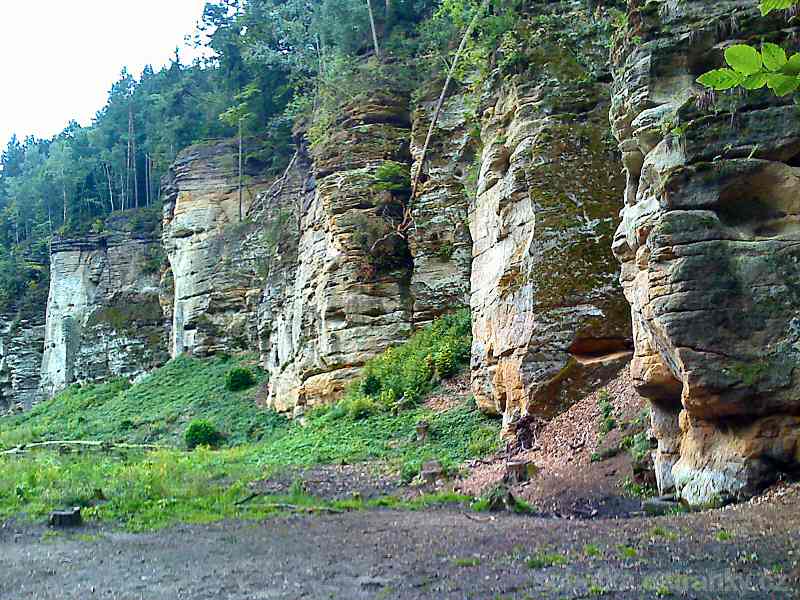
(216, 271)
(549, 319)
(710, 248)
(21, 347)
(348, 299)
(440, 241)
(103, 313)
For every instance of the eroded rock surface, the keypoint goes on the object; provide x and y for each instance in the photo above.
(710, 247)
(216, 273)
(549, 319)
(348, 298)
(440, 241)
(21, 347)
(103, 313)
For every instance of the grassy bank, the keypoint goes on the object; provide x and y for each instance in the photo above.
(150, 489)
(155, 411)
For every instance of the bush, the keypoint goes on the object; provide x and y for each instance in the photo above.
(201, 433)
(361, 408)
(239, 378)
(483, 441)
(402, 376)
(393, 177)
(445, 361)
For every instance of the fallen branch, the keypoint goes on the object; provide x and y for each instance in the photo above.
(307, 509)
(478, 519)
(289, 507)
(252, 496)
(271, 192)
(86, 444)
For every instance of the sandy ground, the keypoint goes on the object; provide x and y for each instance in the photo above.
(432, 554)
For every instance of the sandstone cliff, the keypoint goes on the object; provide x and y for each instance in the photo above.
(21, 346)
(349, 296)
(103, 313)
(549, 319)
(514, 217)
(213, 284)
(709, 248)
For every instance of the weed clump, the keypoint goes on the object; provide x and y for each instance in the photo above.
(392, 176)
(238, 379)
(400, 377)
(607, 421)
(201, 433)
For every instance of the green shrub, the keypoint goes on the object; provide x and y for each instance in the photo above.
(361, 407)
(410, 470)
(607, 420)
(445, 361)
(201, 433)
(393, 177)
(483, 441)
(239, 378)
(400, 377)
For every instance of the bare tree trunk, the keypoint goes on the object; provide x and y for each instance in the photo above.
(110, 187)
(129, 161)
(147, 177)
(388, 8)
(241, 207)
(440, 103)
(374, 32)
(122, 186)
(64, 190)
(132, 140)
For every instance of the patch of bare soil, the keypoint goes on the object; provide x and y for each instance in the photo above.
(334, 482)
(568, 482)
(451, 394)
(744, 552)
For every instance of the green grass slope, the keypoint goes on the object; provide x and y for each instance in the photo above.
(155, 411)
(145, 490)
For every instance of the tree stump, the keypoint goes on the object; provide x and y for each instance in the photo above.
(431, 471)
(422, 431)
(518, 471)
(66, 518)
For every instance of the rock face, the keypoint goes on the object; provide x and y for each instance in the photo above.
(21, 346)
(440, 241)
(103, 313)
(549, 318)
(710, 247)
(347, 298)
(214, 282)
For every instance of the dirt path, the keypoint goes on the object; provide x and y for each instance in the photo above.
(744, 552)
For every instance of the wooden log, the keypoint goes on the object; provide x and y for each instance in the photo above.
(63, 445)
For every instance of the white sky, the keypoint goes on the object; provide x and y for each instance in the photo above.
(58, 58)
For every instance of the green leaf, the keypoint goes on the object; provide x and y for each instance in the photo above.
(755, 82)
(721, 79)
(782, 85)
(774, 56)
(792, 67)
(744, 59)
(767, 6)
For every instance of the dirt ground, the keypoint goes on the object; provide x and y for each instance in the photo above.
(587, 540)
(749, 551)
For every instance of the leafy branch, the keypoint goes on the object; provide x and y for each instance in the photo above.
(753, 70)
